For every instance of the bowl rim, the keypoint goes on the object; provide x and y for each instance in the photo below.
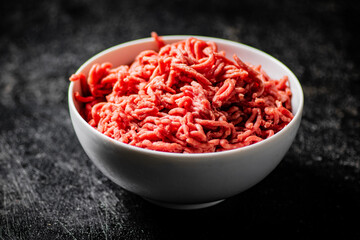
(297, 115)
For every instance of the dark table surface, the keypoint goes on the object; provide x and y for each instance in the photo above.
(49, 189)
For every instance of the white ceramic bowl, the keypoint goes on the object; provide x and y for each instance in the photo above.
(186, 181)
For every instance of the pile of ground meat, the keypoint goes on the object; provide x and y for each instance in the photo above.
(187, 97)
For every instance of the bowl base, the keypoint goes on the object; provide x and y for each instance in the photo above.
(184, 206)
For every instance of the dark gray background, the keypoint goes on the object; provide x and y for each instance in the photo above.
(49, 189)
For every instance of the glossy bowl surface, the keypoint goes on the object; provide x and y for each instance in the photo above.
(186, 181)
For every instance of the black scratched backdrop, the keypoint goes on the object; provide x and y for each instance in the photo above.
(49, 189)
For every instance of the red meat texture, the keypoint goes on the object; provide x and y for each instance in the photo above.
(187, 97)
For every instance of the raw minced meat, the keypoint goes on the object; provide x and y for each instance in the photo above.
(186, 98)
